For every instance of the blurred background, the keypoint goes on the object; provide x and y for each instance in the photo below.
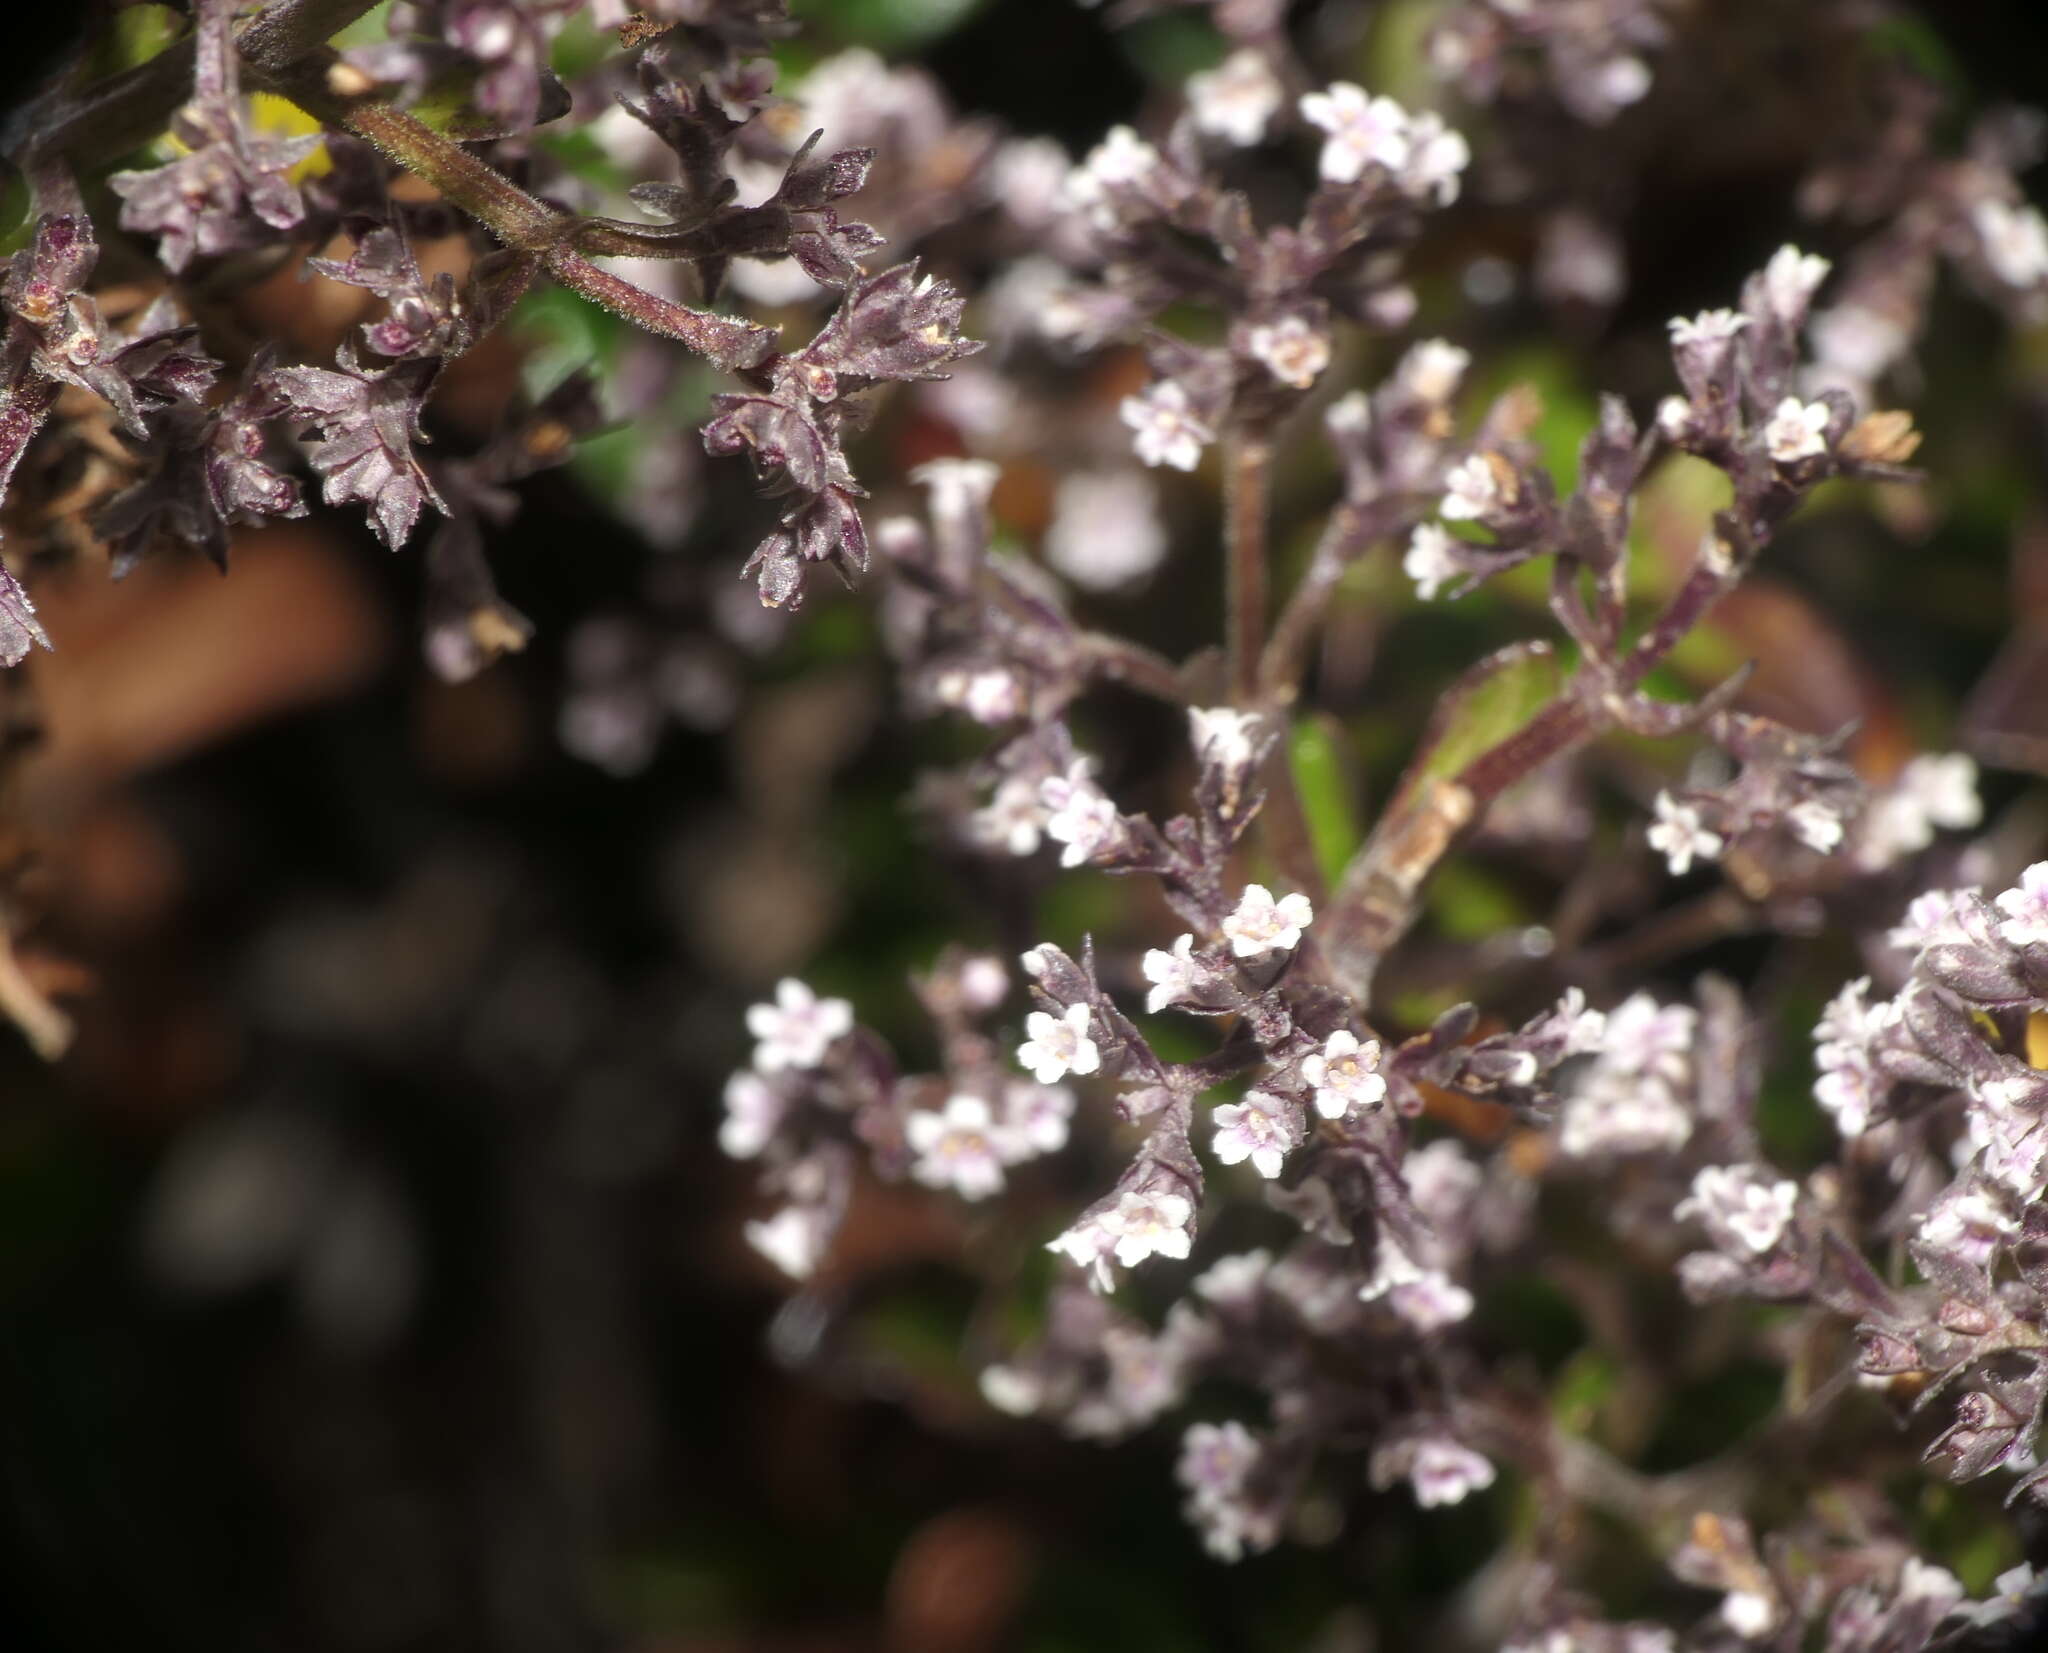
(369, 1275)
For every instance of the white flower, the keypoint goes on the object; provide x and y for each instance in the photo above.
(2013, 1145)
(1234, 1281)
(1221, 735)
(2015, 242)
(1105, 530)
(959, 1146)
(1933, 916)
(1034, 1118)
(1645, 1037)
(1080, 817)
(1853, 344)
(1436, 156)
(1058, 1045)
(1344, 1074)
(1708, 327)
(984, 983)
(1679, 837)
(1431, 558)
(2010, 1592)
(1259, 924)
(1235, 100)
(1923, 1581)
(2026, 909)
(1816, 826)
(1622, 81)
(1747, 1613)
(754, 1111)
(1441, 1180)
(1011, 1389)
(1618, 1113)
(1215, 1459)
(1147, 1225)
(1088, 1245)
(1933, 790)
(1443, 1472)
(1349, 415)
(1363, 131)
(1431, 1302)
(1164, 430)
(793, 1240)
(1257, 1129)
(1740, 1207)
(1790, 281)
(1471, 489)
(1122, 160)
(1797, 430)
(1172, 975)
(1392, 1267)
(1674, 418)
(1026, 177)
(1849, 1083)
(1432, 370)
(1968, 1223)
(1013, 819)
(1290, 349)
(798, 1028)
(990, 696)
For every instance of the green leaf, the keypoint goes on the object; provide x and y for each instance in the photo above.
(1322, 782)
(1492, 701)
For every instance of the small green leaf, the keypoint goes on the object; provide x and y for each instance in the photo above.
(1489, 703)
(1322, 782)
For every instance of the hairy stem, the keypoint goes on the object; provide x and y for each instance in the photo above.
(1247, 489)
(1377, 898)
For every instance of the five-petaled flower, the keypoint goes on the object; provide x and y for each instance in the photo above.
(1443, 1472)
(1173, 975)
(1258, 1129)
(1471, 489)
(1790, 281)
(1222, 735)
(1235, 100)
(1164, 429)
(1797, 430)
(1080, 815)
(1056, 1046)
(1431, 559)
(1149, 1224)
(2025, 907)
(1679, 837)
(1363, 131)
(1344, 1074)
(959, 1146)
(1259, 924)
(1293, 349)
(1740, 1207)
(798, 1028)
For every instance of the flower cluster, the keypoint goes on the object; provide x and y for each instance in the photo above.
(1292, 1133)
